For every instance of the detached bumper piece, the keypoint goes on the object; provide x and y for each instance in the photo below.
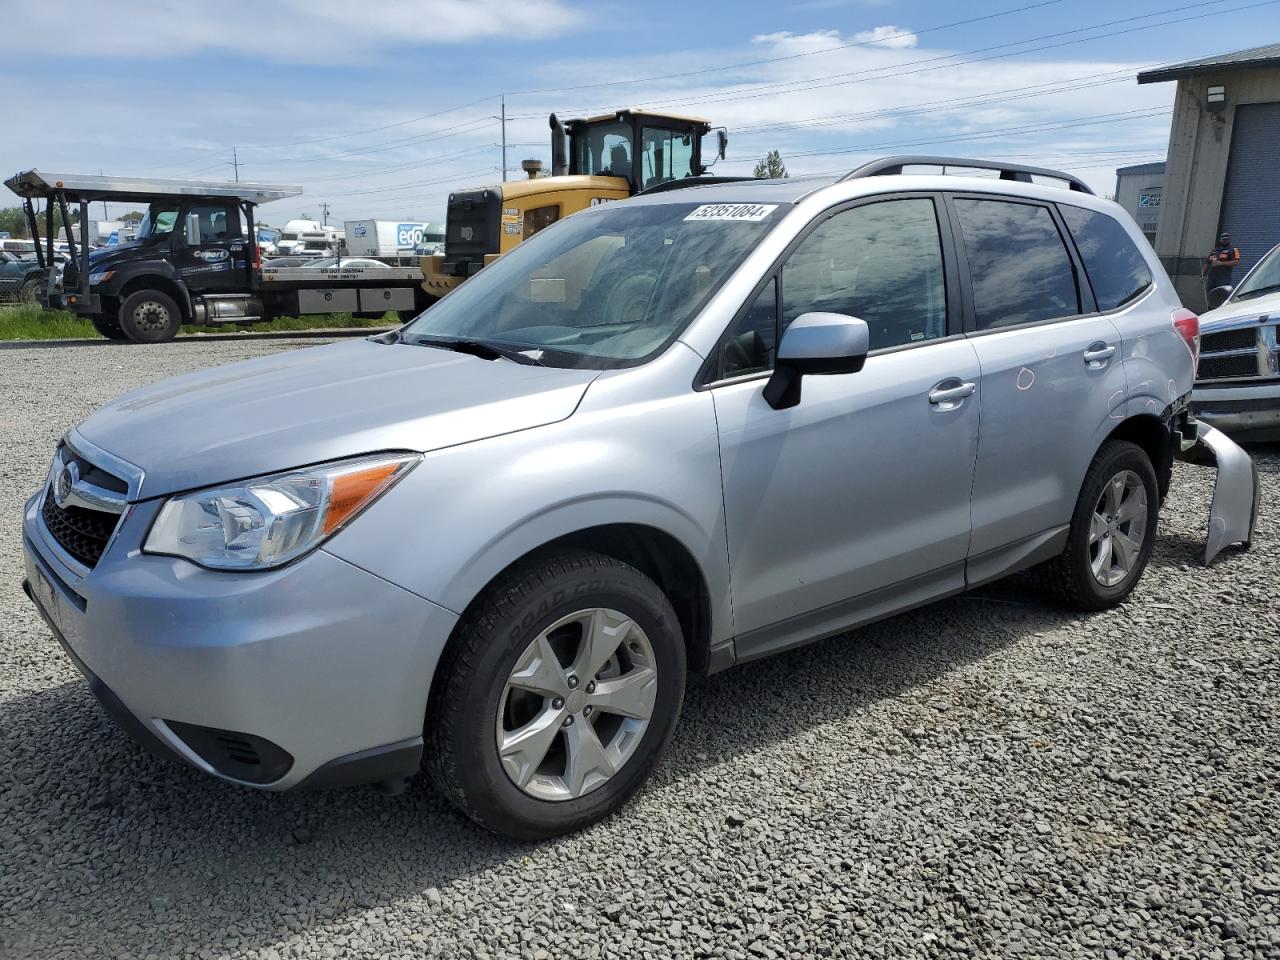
(1235, 493)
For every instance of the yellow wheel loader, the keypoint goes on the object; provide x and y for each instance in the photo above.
(609, 157)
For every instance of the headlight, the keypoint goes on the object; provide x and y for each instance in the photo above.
(102, 276)
(265, 522)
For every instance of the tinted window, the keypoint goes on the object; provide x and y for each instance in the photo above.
(1020, 269)
(882, 263)
(539, 218)
(1117, 272)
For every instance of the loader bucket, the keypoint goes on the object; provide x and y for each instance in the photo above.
(1235, 493)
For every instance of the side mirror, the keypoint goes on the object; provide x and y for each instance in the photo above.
(1218, 296)
(722, 141)
(193, 230)
(816, 344)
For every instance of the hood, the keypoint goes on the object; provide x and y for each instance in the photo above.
(1230, 314)
(323, 403)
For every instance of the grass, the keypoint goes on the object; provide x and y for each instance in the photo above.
(33, 323)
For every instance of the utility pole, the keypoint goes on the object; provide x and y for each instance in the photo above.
(503, 117)
(104, 203)
(235, 162)
(324, 208)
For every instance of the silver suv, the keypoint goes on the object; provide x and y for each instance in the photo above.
(670, 434)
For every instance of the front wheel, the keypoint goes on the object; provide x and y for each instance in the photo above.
(557, 697)
(1112, 530)
(108, 327)
(149, 316)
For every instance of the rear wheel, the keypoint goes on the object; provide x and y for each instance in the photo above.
(108, 327)
(149, 316)
(557, 697)
(1112, 530)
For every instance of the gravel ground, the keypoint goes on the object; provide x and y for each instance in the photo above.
(987, 776)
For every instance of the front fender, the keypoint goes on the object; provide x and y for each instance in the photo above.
(130, 271)
(468, 512)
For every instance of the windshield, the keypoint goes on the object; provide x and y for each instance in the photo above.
(159, 221)
(1264, 278)
(607, 288)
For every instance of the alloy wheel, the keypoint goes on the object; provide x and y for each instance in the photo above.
(1118, 528)
(576, 704)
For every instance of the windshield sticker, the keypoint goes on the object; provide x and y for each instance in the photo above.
(748, 212)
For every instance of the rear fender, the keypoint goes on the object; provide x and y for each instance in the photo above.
(1235, 493)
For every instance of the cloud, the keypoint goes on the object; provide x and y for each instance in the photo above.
(289, 31)
(896, 38)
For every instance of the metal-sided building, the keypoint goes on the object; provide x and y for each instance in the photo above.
(1140, 190)
(1222, 171)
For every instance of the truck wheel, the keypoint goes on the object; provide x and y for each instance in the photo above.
(557, 697)
(1112, 530)
(109, 327)
(29, 292)
(149, 316)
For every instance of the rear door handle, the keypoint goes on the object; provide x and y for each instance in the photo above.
(949, 393)
(1099, 353)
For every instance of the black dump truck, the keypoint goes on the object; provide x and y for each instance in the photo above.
(194, 260)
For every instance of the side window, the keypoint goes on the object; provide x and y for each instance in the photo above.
(749, 345)
(1019, 267)
(217, 222)
(881, 262)
(539, 218)
(1117, 271)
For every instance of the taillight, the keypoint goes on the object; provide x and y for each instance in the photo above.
(1188, 326)
(257, 257)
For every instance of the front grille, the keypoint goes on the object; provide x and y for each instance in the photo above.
(82, 533)
(472, 230)
(1228, 367)
(1245, 339)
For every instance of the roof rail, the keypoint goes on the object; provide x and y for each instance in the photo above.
(889, 166)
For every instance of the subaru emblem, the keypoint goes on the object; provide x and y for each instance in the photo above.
(67, 478)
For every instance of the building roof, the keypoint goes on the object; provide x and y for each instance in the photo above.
(1141, 169)
(1251, 59)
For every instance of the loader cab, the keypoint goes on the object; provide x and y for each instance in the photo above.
(643, 148)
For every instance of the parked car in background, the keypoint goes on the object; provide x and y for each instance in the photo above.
(667, 435)
(1238, 379)
(20, 277)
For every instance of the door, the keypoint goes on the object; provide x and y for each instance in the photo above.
(856, 501)
(210, 247)
(1251, 196)
(1051, 368)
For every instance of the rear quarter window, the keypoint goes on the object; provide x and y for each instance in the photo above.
(1117, 270)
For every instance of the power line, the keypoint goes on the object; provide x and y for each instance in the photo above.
(861, 76)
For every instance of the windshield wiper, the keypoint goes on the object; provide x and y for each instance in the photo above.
(1258, 291)
(484, 349)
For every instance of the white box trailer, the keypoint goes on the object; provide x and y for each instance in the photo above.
(383, 238)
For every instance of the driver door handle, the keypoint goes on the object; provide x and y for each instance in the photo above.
(950, 392)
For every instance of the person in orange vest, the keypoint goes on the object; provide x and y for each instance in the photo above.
(1220, 263)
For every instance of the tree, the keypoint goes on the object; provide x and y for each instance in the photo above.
(772, 167)
(13, 222)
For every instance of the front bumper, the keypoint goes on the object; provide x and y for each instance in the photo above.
(316, 673)
(1239, 408)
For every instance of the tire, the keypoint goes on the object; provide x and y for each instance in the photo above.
(476, 697)
(1071, 576)
(149, 316)
(29, 292)
(108, 327)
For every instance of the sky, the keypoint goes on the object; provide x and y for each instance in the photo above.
(380, 109)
